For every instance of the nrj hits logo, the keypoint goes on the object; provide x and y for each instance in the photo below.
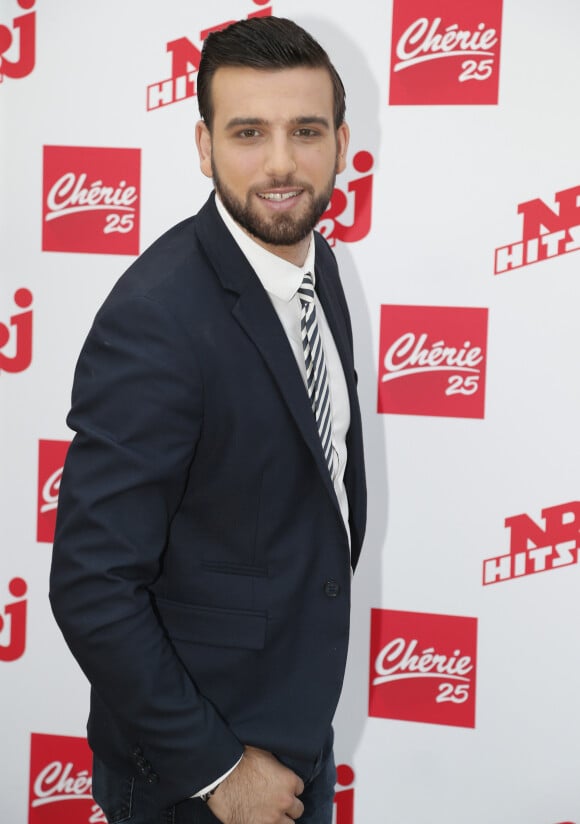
(13, 622)
(546, 232)
(344, 795)
(423, 667)
(534, 548)
(16, 335)
(185, 59)
(445, 52)
(20, 63)
(349, 214)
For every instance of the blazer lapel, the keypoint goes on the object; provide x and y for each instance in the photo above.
(338, 329)
(254, 312)
(354, 481)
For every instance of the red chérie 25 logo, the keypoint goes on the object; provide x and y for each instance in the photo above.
(423, 667)
(536, 548)
(445, 52)
(60, 781)
(349, 214)
(91, 200)
(185, 59)
(546, 232)
(16, 335)
(18, 61)
(432, 361)
(51, 455)
(13, 622)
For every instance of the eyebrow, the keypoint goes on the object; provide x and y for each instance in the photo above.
(304, 120)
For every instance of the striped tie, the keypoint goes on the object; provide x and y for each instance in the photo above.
(316, 374)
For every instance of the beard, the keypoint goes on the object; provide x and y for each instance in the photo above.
(277, 230)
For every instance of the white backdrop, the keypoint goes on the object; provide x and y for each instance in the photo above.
(447, 180)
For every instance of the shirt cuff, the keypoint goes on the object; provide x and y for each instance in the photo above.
(219, 780)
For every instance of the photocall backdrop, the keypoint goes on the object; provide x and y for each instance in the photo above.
(455, 226)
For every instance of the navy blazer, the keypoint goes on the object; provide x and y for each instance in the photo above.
(201, 569)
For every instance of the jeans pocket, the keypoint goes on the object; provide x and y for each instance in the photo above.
(112, 792)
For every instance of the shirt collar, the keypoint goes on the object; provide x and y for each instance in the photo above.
(279, 277)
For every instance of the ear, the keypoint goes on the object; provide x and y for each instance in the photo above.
(342, 140)
(203, 143)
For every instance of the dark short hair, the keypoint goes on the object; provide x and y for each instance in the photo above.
(263, 43)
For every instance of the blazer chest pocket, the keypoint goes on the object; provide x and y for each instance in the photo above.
(195, 624)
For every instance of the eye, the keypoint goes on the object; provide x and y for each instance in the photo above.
(248, 133)
(304, 131)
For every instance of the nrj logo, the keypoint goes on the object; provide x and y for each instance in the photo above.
(185, 59)
(16, 335)
(536, 548)
(21, 61)
(432, 361)
(61, 781)
(445, 52)
(13, 622)
(546, 232)
(91, 200)
(423, 667)
(344, 795)
(51, 456)
(349, 213)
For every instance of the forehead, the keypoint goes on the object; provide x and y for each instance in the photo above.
(271, 94)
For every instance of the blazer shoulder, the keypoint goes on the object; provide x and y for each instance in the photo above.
(170, 271)
(172, 252)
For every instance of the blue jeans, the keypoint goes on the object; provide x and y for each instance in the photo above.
(318, 795)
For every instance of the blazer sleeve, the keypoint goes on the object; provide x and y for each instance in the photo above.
(137, 410)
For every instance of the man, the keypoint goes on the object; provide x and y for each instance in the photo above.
(213, 500)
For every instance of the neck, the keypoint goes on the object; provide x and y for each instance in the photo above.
(296, 253)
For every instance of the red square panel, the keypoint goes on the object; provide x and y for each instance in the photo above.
(91, 200)
(445, 52)
(51, 455)
(423, 667)
(432, 361)
(61, 781)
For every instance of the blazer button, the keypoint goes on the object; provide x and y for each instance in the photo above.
(152, 778)
(331, 588)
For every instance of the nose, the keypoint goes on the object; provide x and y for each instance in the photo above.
(280, 161)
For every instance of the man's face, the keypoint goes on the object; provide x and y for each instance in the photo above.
(273, 152)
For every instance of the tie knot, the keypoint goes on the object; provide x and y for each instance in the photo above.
(306, 288)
